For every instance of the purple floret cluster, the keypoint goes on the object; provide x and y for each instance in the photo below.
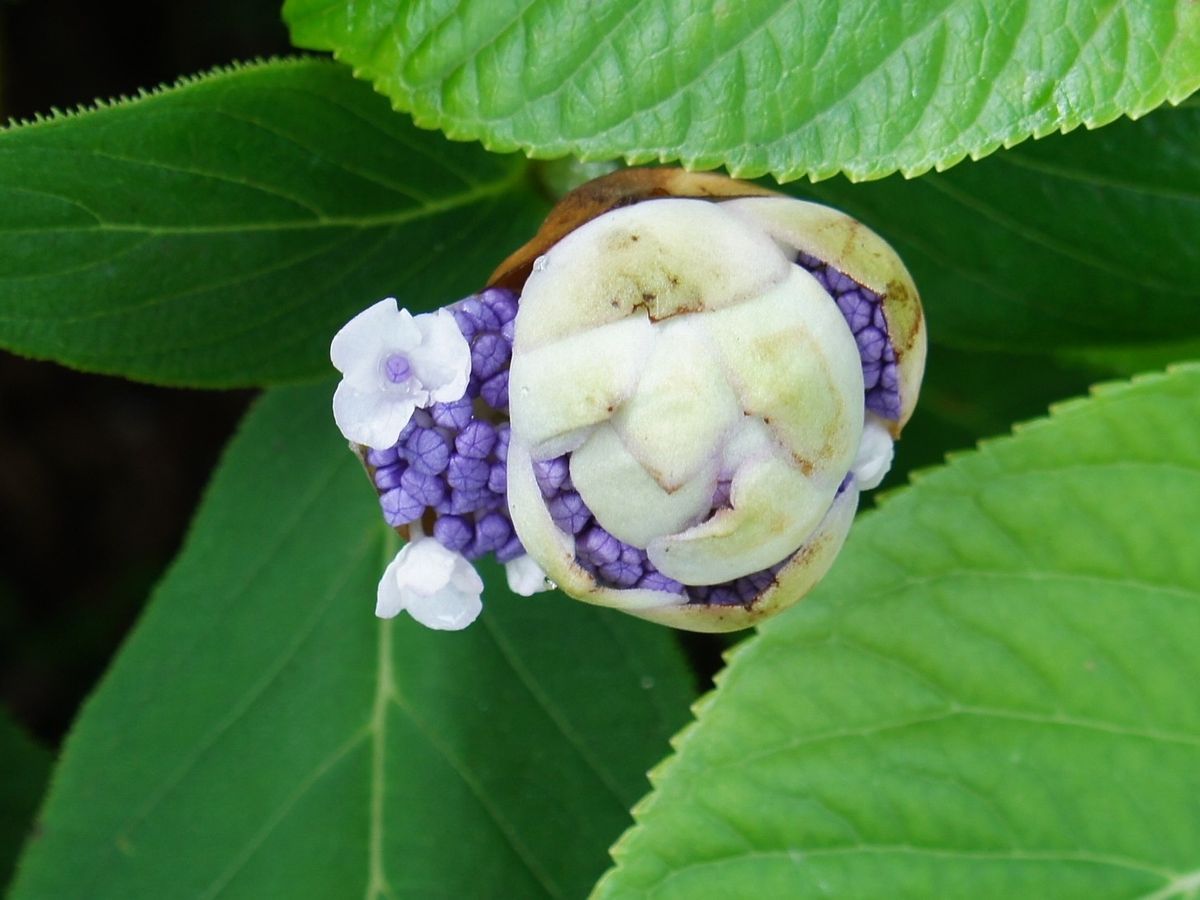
(451, 458)
(615, 564)
(863, 310)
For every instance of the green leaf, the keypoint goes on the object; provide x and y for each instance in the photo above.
(219, 233)
(993, 693)
(25, 766)
(1086, 240)
(763, 86)
(263, 735)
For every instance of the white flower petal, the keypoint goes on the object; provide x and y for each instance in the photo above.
(442, 360)
(389, 599)
(438, 587)
(372, 418)
(875, 453)
(447, 610)
(525, 576)
(379, 329)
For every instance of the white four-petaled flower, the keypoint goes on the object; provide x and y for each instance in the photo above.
(393, 363)
(437, 587)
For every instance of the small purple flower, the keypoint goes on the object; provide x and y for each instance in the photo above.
(503, 434)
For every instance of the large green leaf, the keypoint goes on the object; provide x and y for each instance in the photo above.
(23, 770)
(763, 86)
(993, 694)
(219, 232)
(263, 735)
(1087, 240)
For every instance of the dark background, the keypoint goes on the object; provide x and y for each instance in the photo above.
(98, 476)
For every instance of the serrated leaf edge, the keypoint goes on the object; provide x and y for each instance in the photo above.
(1101, 392)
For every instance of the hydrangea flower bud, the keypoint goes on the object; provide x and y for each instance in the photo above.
(667, 402)
(714, 375)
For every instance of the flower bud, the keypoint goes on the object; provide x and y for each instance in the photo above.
(721, 371)
(667, 402)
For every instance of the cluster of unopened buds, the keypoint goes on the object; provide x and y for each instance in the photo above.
(667, 402)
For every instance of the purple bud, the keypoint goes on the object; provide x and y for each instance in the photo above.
(722, 493)
(870, 374)
(856, 309)
(407, 431)
(476, 440)
(428, 489)
(463, 502)
(598, 546)
(510, 551)
(501, 301)
(467, 474)
(551, 474)
(503, 434)
(482, 312)
(428, 451)
(626, 569)
(871, 342)
(380, 458)
(455, 414)
(889, 377)
(453, 533)
(467, 323)
(569, 512)
(489, 354)
(399, 507)
(807, 261)
(508, 331)
(657, 581)
(877, 318)
(723, 595)
(495, 391)
(492, 532)
(498, 478)
(388, 477)
(760, 581)
(840, 281)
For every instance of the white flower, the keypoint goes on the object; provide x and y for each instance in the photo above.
(875, 453)
(525, 576)
(393, 363)
(437, 587)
